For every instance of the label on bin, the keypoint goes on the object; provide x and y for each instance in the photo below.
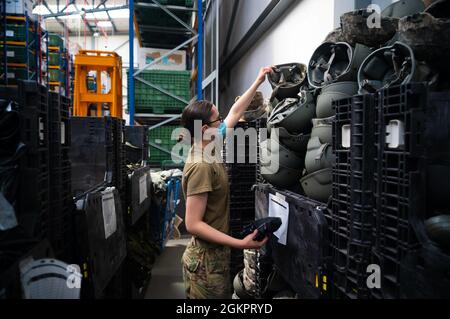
(142, 188)
(10, 54)
(9, 33)
(278, 207)
(11, 75)
(109, 213)
(63, 133)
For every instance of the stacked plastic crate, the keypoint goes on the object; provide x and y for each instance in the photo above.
(58, 61)
(389, 147)
(91, 153)
(34, 193)
(151, 100)
(154, 24)
(61, 203)
(302, 260)
(18, 49)
(161, 142)
(119, 174)
(240, 159)
(412, 125)
(136, 147)
(164, 89)
(261, 125)
(351, 214)
(100, 240)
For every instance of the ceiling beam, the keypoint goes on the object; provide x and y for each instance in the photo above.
(66, 6)
(58, 20)
(84, 19)
(59, 14)
(112, 22)
(100, 4)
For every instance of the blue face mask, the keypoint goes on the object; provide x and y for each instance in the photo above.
(222, 129)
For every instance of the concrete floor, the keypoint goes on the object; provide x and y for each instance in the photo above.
(167, 274)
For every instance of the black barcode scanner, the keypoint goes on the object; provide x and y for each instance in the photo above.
(265, 227)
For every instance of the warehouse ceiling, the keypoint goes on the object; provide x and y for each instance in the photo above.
(85, 17)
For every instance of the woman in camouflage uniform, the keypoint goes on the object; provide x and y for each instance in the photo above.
(206, 190)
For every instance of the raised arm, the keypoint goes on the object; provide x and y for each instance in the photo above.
(241, 105)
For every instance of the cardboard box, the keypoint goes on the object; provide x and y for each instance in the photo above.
(174, 62)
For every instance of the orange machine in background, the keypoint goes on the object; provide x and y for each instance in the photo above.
(97, 84)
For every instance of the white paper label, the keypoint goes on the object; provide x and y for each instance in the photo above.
(109, 213)
(9, 33)
(11, 75)
(63, 133)
(278, 207)
(142, 188)
(10, 54)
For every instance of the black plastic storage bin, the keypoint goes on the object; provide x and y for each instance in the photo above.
(91, 153)
(400, 181)
(137, 137)
(242, 173)
(410, 178)
(101, 239)
(139, 194)
(119, 165)
(424, 274)
(304, 261)
(351, 215)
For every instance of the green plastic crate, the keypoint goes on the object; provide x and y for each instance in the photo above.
(54, 75)
(14, 74)
(54, 59)
(182, 3)
(15, 32)
(161, 136)
(55, 40)
(155, 17)
(150, 100)
(17, 54)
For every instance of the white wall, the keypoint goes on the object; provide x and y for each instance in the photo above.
(294, 39)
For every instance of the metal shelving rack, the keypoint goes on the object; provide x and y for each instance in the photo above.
(182, 30)
(31, 41)
(196, 43)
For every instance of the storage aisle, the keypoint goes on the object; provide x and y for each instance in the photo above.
(167, 275)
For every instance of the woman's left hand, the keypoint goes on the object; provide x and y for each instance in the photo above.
(262, 74)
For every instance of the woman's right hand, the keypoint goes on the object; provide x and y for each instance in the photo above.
(249, 243)
(262, 74)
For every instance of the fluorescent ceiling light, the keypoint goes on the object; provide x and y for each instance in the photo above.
(104, 24)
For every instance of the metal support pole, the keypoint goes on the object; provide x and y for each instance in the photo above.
(216, 97)
(200, 50)
(131, 70)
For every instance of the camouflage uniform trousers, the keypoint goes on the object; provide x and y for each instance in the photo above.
(206, 271)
